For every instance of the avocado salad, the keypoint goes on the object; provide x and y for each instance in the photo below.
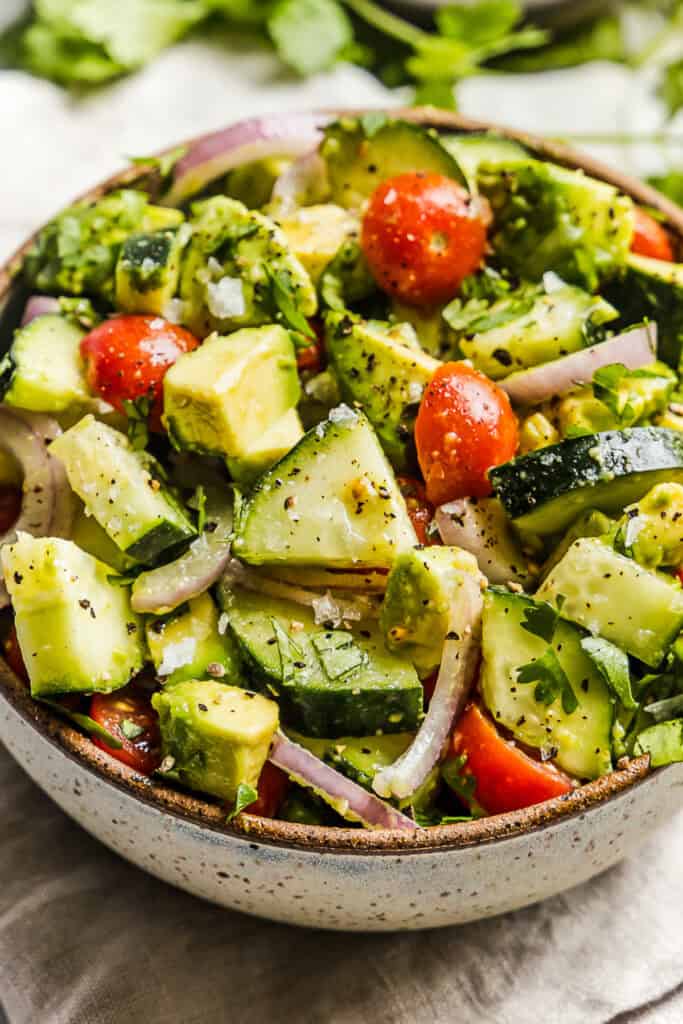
(341, 474)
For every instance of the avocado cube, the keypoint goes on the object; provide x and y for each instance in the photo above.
(422, 586)
(76, 630)
(316, 233)
(187, 644)
(377, 371)
(268, 450)
(218, 736)
(651, 531)
(222, 398)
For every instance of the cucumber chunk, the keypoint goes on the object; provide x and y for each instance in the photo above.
(329, 682)
(544, 490)
(217, 736)
(358, 161)
(579, 742)
(614, 597)
(76, 630)
(531, 326)
(122, 489)
(473, 150)
(332, 501)
(43, 370)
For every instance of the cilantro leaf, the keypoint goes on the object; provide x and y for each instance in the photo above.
(309, 34)
(372, 121)
(284, 300)
(671, 184)
(432, 816)
(540, 619)
(198, 503)
(164, 164)
(137, 411)
(671, 87)
(612, 664)
(551, 681)
(246, 795)
(463, 784)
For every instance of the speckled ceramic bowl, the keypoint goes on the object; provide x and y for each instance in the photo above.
(334, 877)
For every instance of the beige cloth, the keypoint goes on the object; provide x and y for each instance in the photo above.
(87, 939)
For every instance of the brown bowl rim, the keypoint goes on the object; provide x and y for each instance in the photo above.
(210, 815)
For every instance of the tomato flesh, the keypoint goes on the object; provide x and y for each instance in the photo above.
(13, 655)
(420, 510)
(127, 358)
(507, 778)
(272, 787)
(650, 238)
(312, 358)
(464, 427)
(10, 507)
(422, 234)
(131, 705)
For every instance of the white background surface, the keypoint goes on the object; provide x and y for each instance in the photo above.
(85, 938)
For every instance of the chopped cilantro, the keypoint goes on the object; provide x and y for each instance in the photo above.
(551, 681)
(246, 795)
(612, 664)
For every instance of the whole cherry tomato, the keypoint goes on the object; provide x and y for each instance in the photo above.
(650, 238)
(421, 235)
(129, 716)
(127, 358)
(421, 512)
(507, 778)
(13, 655)
(464, 427)
(273, 784)
(10, 507)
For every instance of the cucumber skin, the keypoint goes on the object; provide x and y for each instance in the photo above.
(594, 462)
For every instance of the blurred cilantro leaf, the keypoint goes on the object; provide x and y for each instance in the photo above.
(309, 34)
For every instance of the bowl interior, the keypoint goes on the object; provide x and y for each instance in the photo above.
(13, 295)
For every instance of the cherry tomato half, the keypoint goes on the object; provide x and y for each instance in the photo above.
(10, 507)
(421, 235)
(650, 238)
(312, 357)
(507, 778)
(123, 713)
(127, 358)
(13, 655)
(464, 427)
(273, 784)
(421, 512)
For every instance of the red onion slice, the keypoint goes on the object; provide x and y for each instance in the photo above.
(64, 508)
(453, 684)
(27, 446)
(39, 305)
(159, 591)
(256, 139)
(634, 348)
(481, 527)
(353, 608)
(347, 797)
(304, 182)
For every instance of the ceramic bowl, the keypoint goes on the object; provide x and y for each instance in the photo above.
(340, 878)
